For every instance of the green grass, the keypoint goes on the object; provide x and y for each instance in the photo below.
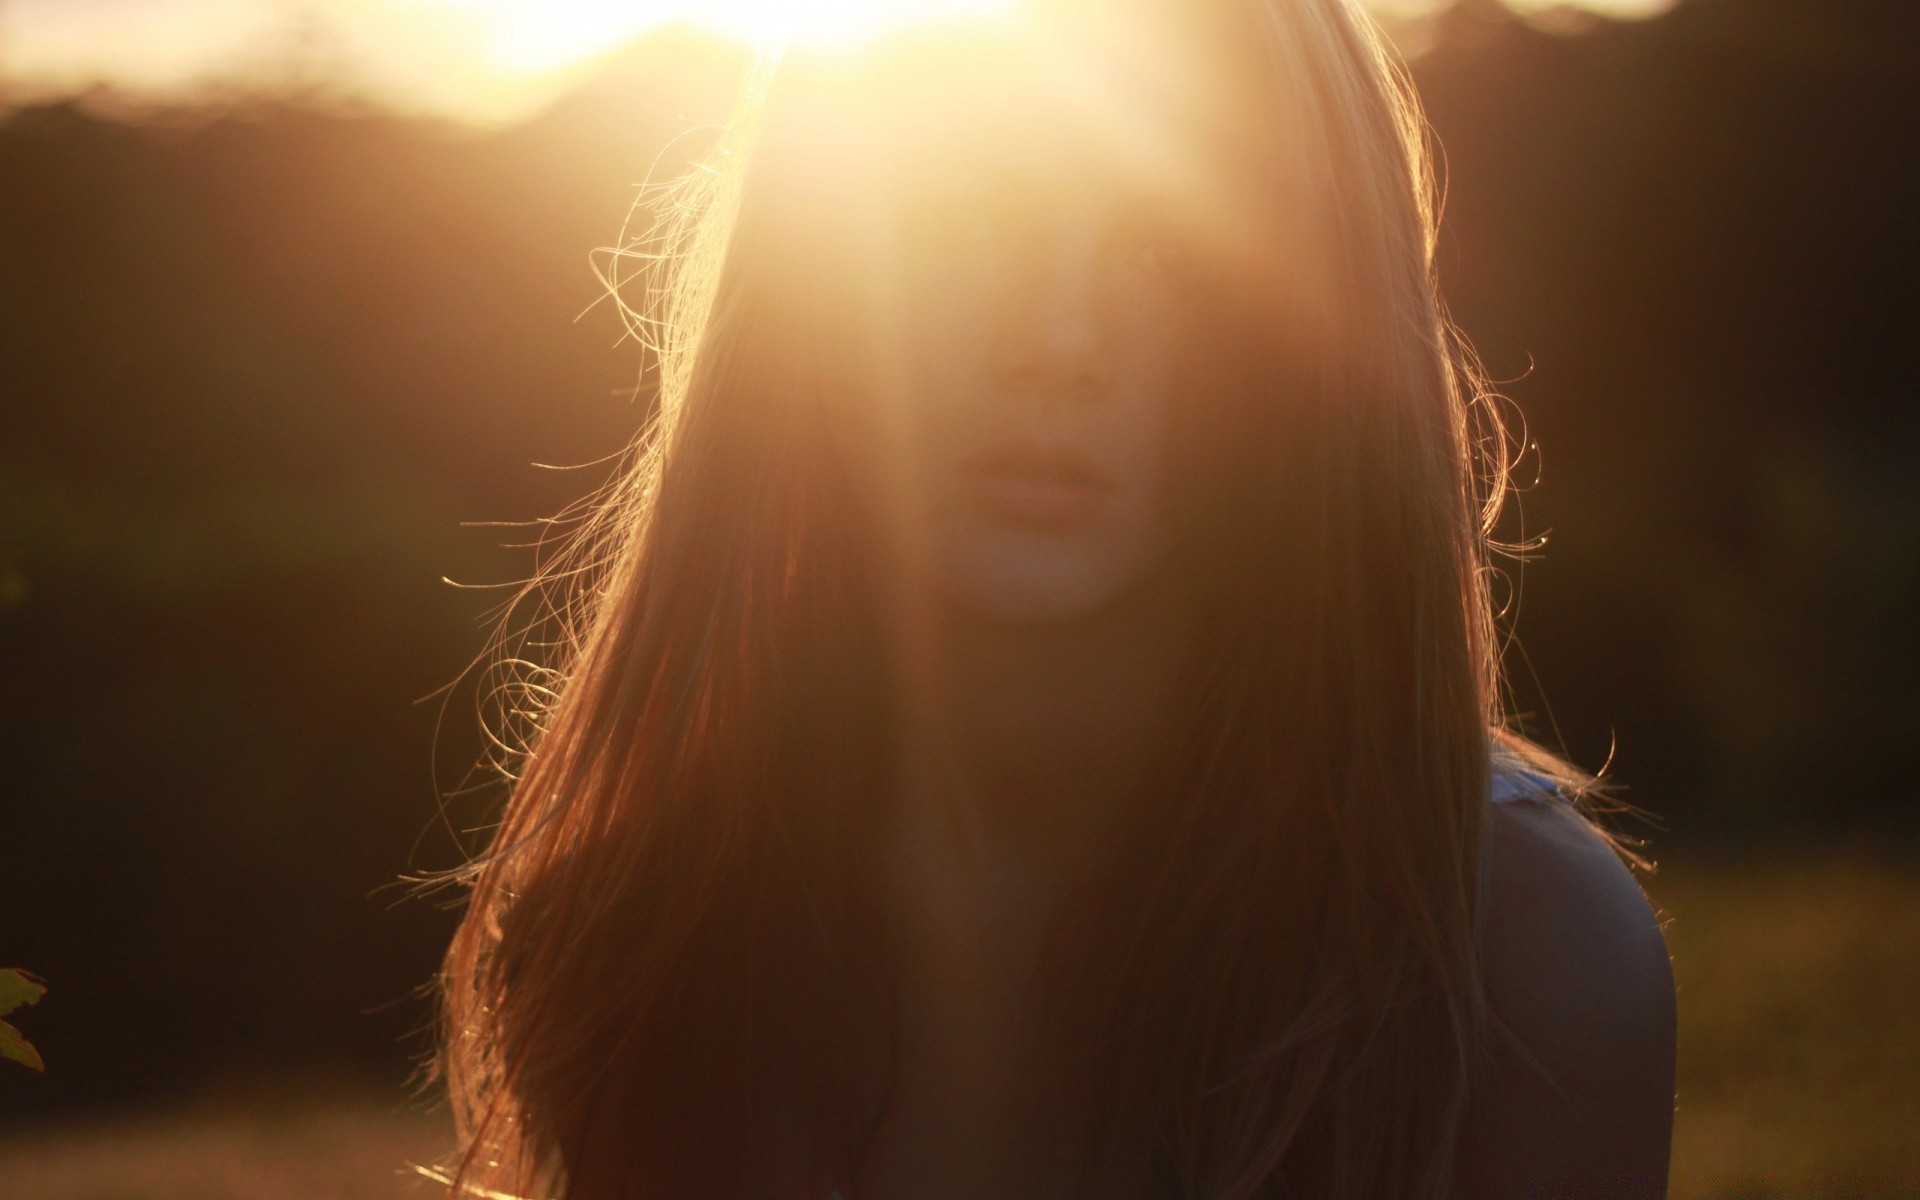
(1799, 1026)
(1799, 1067)
(339, 1145)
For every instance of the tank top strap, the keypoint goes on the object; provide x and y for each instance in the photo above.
(1516, 785)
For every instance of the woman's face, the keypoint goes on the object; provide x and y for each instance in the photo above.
(1031, 326)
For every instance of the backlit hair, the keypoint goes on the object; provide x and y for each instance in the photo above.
(669, 982)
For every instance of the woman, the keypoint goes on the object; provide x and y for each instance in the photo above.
(1028, 726)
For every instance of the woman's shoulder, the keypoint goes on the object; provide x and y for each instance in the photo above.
(1578, 1083)
(1550, 870)
(1561, 902)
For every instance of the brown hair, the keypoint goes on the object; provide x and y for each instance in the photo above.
(669, 982)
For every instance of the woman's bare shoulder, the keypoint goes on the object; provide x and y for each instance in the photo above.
(1575, 1097)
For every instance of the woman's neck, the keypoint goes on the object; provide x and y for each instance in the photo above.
(1024, 741)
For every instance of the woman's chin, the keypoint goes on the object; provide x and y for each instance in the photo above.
(1040, 594)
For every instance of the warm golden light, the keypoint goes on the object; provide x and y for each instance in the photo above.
(484, 61)
(541, 34)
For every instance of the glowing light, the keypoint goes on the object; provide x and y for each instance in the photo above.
(1619, 10)
(481, 60)
(544, 34)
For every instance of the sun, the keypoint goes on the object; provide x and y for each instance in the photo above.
(548, 34)
(839, 21)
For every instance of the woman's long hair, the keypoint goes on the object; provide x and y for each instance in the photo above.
(670, 980)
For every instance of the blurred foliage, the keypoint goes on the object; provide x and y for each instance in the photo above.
(259, 362)
(17, 989)
(1682, 242)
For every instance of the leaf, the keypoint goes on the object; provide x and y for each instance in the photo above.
(17, 988)
(17, 1048)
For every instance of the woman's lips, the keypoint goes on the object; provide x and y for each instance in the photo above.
(1029, 484)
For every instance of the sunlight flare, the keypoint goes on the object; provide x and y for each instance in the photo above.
(543, 34)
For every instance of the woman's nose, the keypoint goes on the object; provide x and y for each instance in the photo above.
(1053, 344)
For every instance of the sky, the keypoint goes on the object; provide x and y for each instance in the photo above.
(484, 61)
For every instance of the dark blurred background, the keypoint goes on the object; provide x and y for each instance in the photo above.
(265, 351)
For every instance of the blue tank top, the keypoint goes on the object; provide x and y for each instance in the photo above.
(1514, 785)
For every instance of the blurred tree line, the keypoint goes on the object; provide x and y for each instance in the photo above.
(259, 362)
